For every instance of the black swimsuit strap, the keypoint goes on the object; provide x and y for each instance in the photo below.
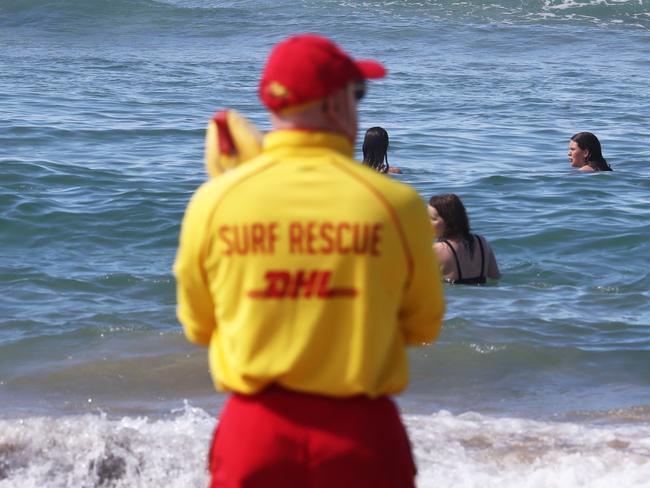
(453, 251)
(480, 244)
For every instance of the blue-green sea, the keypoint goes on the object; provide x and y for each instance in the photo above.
(539, 380)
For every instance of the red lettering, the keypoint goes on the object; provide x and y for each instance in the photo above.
(295, 238)
(339, 292)
(323, 291)
(277, 285)
(257, 238)
(311, 237)
(306, 284)
(273, 236)
(339, 238)
(327, 237)
(301, 283)
(223, 234)
(359, 241)
(254, 238)
(241, 240)
(326, 233)
(375, 240)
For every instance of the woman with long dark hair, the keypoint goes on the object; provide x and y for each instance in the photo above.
(456, 247)
(585, 153)
(375, 150)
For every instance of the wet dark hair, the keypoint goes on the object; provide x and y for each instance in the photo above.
(588, 141)
(452, 211)
(375, 149)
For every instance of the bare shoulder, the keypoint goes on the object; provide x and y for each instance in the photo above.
(445, 259)
(441, 249)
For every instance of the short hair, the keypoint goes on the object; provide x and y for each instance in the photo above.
(588, 141)
(375, 149)
(452, 211)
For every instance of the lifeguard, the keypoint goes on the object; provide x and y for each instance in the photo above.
(307, 274)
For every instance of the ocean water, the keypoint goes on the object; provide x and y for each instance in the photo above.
(541, 380)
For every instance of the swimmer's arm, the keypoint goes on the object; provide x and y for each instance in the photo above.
(446, 259)
(195, 307)
(423, 305)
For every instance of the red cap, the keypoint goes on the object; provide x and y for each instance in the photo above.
(309, 67)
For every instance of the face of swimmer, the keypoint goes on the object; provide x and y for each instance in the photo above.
(577, 156)
(436, 220)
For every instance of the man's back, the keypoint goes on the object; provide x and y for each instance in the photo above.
(316, 269)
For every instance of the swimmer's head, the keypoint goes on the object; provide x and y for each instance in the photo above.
(448, 216)
(375, 149)
(585, 149)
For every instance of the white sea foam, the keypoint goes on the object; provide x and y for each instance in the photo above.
(468, 450)
(93, 450)
(472, 450)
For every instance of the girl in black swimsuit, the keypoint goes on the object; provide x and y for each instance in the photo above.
(449, 218)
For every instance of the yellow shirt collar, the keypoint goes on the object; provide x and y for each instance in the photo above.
(288, 139)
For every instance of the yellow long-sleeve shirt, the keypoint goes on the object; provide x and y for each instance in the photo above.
(306, 269)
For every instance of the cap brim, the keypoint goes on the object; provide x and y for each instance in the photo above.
(370, 69)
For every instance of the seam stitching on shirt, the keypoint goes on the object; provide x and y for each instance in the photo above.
(391, 212)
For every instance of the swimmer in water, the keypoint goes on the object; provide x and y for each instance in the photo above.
(375, 150)
(585, 153)
(465, 258)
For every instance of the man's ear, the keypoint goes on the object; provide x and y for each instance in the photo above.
(330, 109)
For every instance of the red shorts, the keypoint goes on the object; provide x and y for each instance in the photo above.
(279, 438)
